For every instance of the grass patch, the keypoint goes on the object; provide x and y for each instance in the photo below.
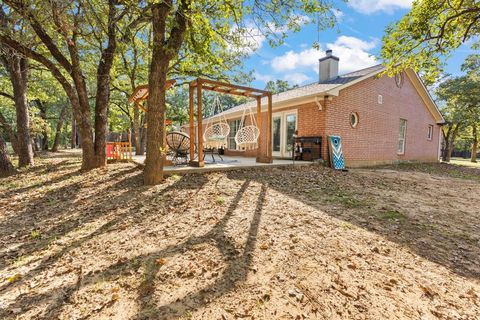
(452, 170)
(35, 234)
(175, 177)
(465, 162)
(393, 215)
(220, 200)
(347, 200)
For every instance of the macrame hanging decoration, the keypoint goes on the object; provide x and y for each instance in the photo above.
(217, 130)
(247, 135)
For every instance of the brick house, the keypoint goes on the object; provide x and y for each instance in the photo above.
(381, 120)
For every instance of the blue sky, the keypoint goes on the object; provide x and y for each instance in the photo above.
(356, 40)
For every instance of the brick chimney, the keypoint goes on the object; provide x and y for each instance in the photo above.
(328, 67)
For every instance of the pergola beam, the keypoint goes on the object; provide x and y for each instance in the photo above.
(213, 84)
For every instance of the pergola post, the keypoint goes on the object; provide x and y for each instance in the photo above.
(192, 122)
(199, 162)
(264, 154)
(259, 124)
(269, 129)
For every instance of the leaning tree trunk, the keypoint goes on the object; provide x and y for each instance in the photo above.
(18, 70)
(58, 131)
(473, 157)
(6, 167)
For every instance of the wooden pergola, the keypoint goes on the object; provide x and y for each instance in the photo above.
(264, 151)
(141, 94)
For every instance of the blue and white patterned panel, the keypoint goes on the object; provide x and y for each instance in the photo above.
(337, 158)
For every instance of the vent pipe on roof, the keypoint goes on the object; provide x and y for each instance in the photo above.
(328, 67)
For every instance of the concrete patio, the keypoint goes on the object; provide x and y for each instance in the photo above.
(228, 163)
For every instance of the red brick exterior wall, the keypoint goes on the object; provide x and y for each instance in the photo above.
(374, 140)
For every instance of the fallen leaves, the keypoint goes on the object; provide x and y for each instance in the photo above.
(313, 245)
(16, 277)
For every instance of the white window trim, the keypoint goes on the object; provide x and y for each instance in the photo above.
(430, 133)
(283, 115)
(237, 148)
(404, 138)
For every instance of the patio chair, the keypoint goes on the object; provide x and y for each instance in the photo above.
(179, 145)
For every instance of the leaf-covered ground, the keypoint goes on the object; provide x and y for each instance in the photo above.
(296, 243)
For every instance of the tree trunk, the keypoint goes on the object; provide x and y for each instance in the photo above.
(449, 137)
(153, 173)
(473, 157)
(143, 140)
(43, 115)
(73, 137)
(102, 98)
(18, 70)
(6, 167)
(162, 53)
(9, 131)
(136, 131)
(58, 131)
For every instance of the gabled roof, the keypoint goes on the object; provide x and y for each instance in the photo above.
(332, 87)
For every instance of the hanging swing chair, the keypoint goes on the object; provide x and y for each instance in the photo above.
(216, 133)
(247, 136)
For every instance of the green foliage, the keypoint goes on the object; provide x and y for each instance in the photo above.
(428, 33)
(461, 95)
(279, 86)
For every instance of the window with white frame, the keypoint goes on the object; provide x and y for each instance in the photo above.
(401, 136)
(234, 127)
(430, 132)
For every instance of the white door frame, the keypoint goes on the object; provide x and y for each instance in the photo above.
(283, 153)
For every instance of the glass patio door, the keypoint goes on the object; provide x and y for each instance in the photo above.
(284, 125)
(277, 135)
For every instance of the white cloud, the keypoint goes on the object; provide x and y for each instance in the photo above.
(371, 6)
(252, 37)
(263, 77)
(338, 14)
(296, 78)
(353, 54)
(293, 60)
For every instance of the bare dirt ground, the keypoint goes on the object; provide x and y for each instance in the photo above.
(300, 243)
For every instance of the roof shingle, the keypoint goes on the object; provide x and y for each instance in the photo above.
(309, 89)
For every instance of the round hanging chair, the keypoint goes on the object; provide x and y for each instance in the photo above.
(247, 136)
(216, 133)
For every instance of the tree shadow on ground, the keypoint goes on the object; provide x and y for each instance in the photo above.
(55, 220)
(42, 213)
(237, 263)
(358, 199)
